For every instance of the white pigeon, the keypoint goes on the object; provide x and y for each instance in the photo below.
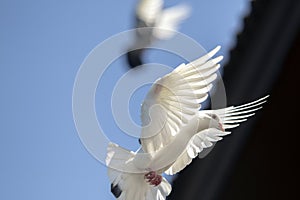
(161, 24)
(174, 130)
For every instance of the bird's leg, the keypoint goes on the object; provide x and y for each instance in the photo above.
(153, 178)
(150, 175)
(157, 180)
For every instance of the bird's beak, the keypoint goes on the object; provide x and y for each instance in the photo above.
(221, 127)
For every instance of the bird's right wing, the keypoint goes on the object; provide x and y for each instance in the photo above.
(232, 116)
(200, 141)
(229, 117)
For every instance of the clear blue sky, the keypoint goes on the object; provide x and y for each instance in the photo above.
(42, 45)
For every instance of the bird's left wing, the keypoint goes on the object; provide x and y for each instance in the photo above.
(174, 99)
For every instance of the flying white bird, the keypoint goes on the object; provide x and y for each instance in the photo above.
(174, 130)
(160, 23)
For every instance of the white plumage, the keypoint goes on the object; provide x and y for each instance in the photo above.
(150, 13)
(153, 22)
(174, 130)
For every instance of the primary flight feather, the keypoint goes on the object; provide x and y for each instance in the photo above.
(174, 130)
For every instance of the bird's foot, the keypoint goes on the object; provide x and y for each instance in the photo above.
(153, 178)
(156, 181)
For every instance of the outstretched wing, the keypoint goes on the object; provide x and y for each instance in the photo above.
(198, 142)
(174, 99)
(229, 117)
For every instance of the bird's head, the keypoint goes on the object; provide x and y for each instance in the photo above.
(215, 121)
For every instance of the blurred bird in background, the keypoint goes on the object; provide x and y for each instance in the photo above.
(154, 23)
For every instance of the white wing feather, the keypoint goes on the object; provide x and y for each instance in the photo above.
(174, 99)
(229, 117)
(198, 142)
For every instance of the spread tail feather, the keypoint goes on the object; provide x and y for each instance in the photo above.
(132, 186)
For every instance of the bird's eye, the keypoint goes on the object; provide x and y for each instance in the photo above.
(214, 116)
